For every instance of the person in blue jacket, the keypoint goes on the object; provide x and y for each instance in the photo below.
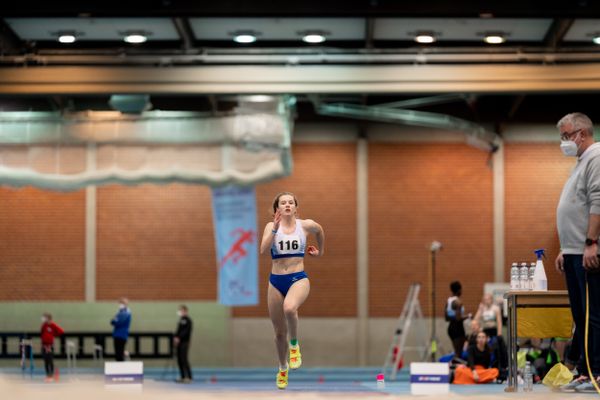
(121, 323)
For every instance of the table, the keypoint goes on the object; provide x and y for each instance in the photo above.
(534, 314)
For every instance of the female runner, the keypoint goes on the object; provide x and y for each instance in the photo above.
(288, 283)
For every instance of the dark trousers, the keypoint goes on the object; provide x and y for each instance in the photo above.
(573, 352)
(458, 343)
(576, 278)
(182, 360)
(48, 355)
(119, 348)
(458, 337)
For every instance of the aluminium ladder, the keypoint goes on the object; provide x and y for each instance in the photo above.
(411, 312)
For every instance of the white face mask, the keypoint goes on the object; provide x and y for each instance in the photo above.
(569, 148)
(122, 306)
(44, 319)
(179, 314)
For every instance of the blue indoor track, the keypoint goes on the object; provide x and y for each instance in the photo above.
(259, 383)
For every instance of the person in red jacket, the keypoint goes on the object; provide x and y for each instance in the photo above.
(49, 331)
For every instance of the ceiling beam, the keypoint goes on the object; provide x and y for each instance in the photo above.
(9, 42)
(557, 32)
(185, 32)
(477, 134)
(384, 79)
(302, 56)
(369, 32)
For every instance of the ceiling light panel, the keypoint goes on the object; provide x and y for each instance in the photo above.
(583, 30)
(93, 29)
(135, 37)
(461, 29)
(313, 36)
(66, 37)
(425, 37)
(278, 29)
(494, 38)
(246, 37)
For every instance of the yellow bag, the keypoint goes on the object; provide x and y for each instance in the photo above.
(557, 376)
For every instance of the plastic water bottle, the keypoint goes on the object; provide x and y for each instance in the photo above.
(514, 276)
(531, 273)
(380, 381)
(524, 277)
(528, 378)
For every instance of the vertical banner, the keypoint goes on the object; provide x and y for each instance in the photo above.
(234, 217)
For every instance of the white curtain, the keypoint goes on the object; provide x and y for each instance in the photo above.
(67, 152)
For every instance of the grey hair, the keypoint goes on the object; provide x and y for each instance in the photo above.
(578, 121)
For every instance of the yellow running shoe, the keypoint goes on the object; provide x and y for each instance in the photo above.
(295, 357)
(282, 379)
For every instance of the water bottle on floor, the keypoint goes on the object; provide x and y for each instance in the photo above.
(528, 378)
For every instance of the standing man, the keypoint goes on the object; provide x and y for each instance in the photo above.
(48, 332)
(121, 323)
(578, 223)
(182, 344)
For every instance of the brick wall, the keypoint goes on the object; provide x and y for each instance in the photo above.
(420, 193)
(42, 245)
(534, 178)
(156, 242)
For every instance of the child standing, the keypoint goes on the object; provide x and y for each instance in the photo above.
(49, 331)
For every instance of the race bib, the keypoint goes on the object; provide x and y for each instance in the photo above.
(288, 244)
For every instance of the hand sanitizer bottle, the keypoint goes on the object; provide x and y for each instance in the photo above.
(540, 282)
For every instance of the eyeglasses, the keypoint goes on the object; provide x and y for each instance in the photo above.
(568, 135)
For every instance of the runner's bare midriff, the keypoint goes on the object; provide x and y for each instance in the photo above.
(290, 265)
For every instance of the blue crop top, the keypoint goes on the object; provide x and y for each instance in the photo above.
(292, 245)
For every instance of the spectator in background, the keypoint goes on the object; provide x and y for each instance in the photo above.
(489, 316)
(182, 344)
(472, 338)
(49, 331)
(121, 323)
(479, 360)
(455, 315)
